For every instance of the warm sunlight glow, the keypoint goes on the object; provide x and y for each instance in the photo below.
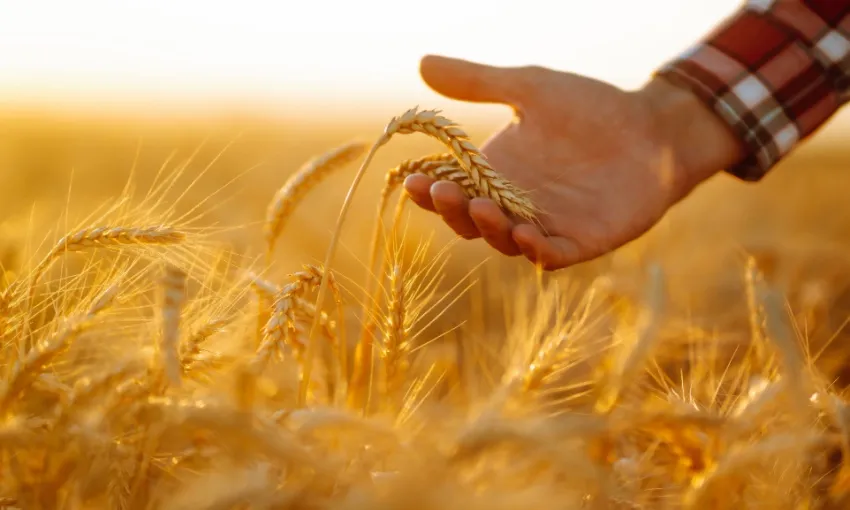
(323, 52)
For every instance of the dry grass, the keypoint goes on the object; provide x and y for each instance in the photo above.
(186, 374)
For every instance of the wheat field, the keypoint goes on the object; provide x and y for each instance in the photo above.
(187, 325)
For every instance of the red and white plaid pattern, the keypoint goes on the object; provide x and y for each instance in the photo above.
(776, 71)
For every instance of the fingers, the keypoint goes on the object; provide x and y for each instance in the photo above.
(549, 252)
(469, 81)
(445, 199)
(493, 225)
(418, 187)
(450, 203)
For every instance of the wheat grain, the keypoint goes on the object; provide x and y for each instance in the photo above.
(301, 183)
(441, 166)
(261, 286)
(445, 167)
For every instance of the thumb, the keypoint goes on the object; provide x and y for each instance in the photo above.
(468, 81)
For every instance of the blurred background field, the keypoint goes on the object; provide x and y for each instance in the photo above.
(239, 97)
(796, 220)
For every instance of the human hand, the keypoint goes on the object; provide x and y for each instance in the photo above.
(602, 164)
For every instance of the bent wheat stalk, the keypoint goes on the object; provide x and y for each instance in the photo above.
(483, 176)
(300, 183)
(92, 237)
(108, 236)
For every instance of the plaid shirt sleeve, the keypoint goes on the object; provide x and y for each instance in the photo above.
(775, 71)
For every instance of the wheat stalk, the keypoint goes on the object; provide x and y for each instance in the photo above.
(281, 321)
(486, 181)
(437, 166)
(300, 183)
(428, 122)
(173, 295)
(93, 237)
(288, 304)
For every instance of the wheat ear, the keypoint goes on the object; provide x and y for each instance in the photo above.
(192, 348)
(446, 167)
(300, 183)
(362, 369)
(279, 327)
(487, 182)
(441, 166)
(288, 196)
(336, 332)
(430, 123)
(27, 369)
(396, 329)
(288, 302)
(173, 293)
(92, 237)
(438, 166)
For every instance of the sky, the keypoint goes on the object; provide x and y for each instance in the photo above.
(303, 54)
(296, 51)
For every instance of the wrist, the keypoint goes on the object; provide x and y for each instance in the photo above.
(703, 144)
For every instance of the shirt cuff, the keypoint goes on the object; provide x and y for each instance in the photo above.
(775, 71)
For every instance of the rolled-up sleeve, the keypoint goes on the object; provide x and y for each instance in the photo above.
(775, 71)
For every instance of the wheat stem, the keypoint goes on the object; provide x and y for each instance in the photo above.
(173, 289)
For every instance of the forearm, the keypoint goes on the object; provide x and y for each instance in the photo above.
(703, 143)
(772, 74)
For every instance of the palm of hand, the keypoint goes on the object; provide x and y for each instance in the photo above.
(592, 155)
(595, 164)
